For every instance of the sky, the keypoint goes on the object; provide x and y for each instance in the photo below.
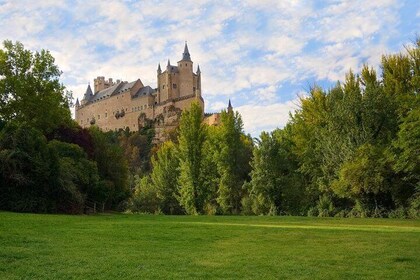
(261, 54)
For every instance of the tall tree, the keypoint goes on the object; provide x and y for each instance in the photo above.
(232, 161)
(192, 133)
(164, 177)
(30, 90)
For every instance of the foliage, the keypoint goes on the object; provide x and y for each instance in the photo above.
(232, 159)
(112, 167)
(30, 90)
(28, 170)
(164, 178)
(145, 198)
(192, 135)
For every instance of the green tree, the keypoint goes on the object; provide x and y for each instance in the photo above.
(30, 90)
(232, 161)
(112, 168)
(164, 177)
(29, 170)
(192, 133)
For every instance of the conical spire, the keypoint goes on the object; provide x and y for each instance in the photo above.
(77, 102)
(168, 66)
(88, 93)
(230, 108)
(186, 54)
(159, 70)
(198, 69)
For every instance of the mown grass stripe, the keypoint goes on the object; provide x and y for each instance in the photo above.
(378, 228)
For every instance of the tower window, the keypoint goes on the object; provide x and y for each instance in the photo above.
(163, 86)
(185, 64)
(174, 85)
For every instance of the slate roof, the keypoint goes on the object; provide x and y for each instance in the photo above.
(105, 92)
(147, 90)
(186, 54)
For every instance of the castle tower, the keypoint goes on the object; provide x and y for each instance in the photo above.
(197, 83)
(88, 94)
(186, 76)
(230, 108)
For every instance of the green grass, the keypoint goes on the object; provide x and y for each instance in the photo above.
(149, 247)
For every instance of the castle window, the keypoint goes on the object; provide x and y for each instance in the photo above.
(99, 116)
(174, 85)
(106, 115)
(185, 64)
(163, 86)
(194, 89)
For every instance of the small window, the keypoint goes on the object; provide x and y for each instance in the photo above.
(99, 116)
(194, 89)
(174, 85)
(106, 115)
(186, 64)
(163, 86)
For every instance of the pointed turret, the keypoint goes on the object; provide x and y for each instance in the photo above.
(168, 66)
(230, 108)
(159, 70)
(88, 94)
(198, 69)
(77, 102)
(186, 54)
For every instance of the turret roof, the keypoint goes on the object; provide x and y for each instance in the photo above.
(186, 54)
(88, 94)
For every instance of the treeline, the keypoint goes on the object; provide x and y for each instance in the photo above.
(201, 172)
(349, 151)
(47, 162)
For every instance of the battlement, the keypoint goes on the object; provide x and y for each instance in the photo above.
(99, 83)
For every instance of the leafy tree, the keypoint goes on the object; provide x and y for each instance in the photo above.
(145, 198)
(232, 161)
(112, 168)
(192, 133)
(164, 178)
(78, 177)
(276, 186)
(30, 90)
(29, 170)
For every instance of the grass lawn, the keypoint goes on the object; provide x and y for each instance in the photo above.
(139, 247)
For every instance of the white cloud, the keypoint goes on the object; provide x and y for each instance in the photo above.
(259, 118)
(246, 49)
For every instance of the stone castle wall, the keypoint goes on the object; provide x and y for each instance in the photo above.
(178, 87)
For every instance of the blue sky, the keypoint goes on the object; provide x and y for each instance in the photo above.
(261, 54)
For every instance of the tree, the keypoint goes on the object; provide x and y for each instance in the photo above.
(30, 90)
(232, 162)
(192, 133)
(276, 185)
(29, 170)
(112, 168)
(164, 177)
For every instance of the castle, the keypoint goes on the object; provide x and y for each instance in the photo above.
(121, 105)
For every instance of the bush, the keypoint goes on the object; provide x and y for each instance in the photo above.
(325, 206)
(145, 198)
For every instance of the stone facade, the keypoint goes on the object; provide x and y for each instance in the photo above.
(120, 104)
